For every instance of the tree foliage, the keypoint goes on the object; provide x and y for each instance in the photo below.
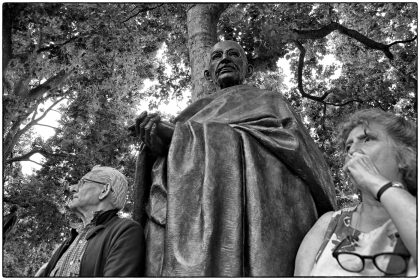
(375, 50)
(96, 63)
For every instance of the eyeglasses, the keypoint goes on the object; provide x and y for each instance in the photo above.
(80, 184)
(388, 263)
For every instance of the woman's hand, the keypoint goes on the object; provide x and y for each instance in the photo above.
(364, 173)
(400, 204)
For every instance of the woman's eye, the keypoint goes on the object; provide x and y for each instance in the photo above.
(366, 139)
(234, 54)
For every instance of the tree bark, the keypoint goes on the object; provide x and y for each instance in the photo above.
(202, 35)
(7, 36)
(50, 84)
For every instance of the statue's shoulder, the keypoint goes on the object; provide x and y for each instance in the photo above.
(244, 89)
(253, 91)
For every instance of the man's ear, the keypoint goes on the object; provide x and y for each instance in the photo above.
(249, 71)
(207, 75)
(105, 191)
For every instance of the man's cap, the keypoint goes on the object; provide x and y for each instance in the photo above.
(116, 180)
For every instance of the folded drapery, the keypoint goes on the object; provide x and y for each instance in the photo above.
(241, 185)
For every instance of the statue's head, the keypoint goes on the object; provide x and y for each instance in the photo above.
(228, 65)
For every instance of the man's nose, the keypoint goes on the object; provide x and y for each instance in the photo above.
(73, 188)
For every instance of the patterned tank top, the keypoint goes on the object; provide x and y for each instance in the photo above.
(380, 240)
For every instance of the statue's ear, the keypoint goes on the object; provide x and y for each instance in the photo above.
(249, 71)
(105, 191)
(207, 75)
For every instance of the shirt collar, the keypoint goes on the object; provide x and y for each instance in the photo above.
(99, 217)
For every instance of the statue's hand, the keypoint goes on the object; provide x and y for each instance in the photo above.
(146, 128)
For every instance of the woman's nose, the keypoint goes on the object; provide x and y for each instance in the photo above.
(353, 147)
(350, 151)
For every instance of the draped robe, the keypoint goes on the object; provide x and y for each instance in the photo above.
(241, 185)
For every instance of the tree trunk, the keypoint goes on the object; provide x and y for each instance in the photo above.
(7, 36)
(202, 35)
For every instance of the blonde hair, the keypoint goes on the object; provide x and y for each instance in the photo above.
(402, 131)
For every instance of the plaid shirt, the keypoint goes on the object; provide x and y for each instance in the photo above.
(69, 263)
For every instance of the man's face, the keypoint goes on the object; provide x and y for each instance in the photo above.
(228, 65)
(85, 195)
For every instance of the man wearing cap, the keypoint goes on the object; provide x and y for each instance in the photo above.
(103, 244)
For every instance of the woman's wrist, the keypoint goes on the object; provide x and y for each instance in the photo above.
(387, 186)
(376, 184)
(382, 189)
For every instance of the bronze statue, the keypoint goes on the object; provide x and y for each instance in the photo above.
(234, 185)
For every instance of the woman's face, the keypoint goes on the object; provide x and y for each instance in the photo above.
(374, 142)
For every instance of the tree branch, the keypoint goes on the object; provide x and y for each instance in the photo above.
(34, 162)
(46, 125)
(26, 157)
(51, 47)
(295, 34)
(33, 122)
(344, 103)
(35, 110)
(49, 109)
(57, 46)
(324, 113)
(50, 84)
(300, 75)
(142, 11)
(13, 134)
(300, 82)
(403, 42)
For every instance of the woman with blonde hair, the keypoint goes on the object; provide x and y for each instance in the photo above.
(378, 236)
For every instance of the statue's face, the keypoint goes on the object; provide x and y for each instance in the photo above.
(228, 64)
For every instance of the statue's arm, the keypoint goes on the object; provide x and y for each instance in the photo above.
(153, 132)
(289, 141)
(165, 130)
